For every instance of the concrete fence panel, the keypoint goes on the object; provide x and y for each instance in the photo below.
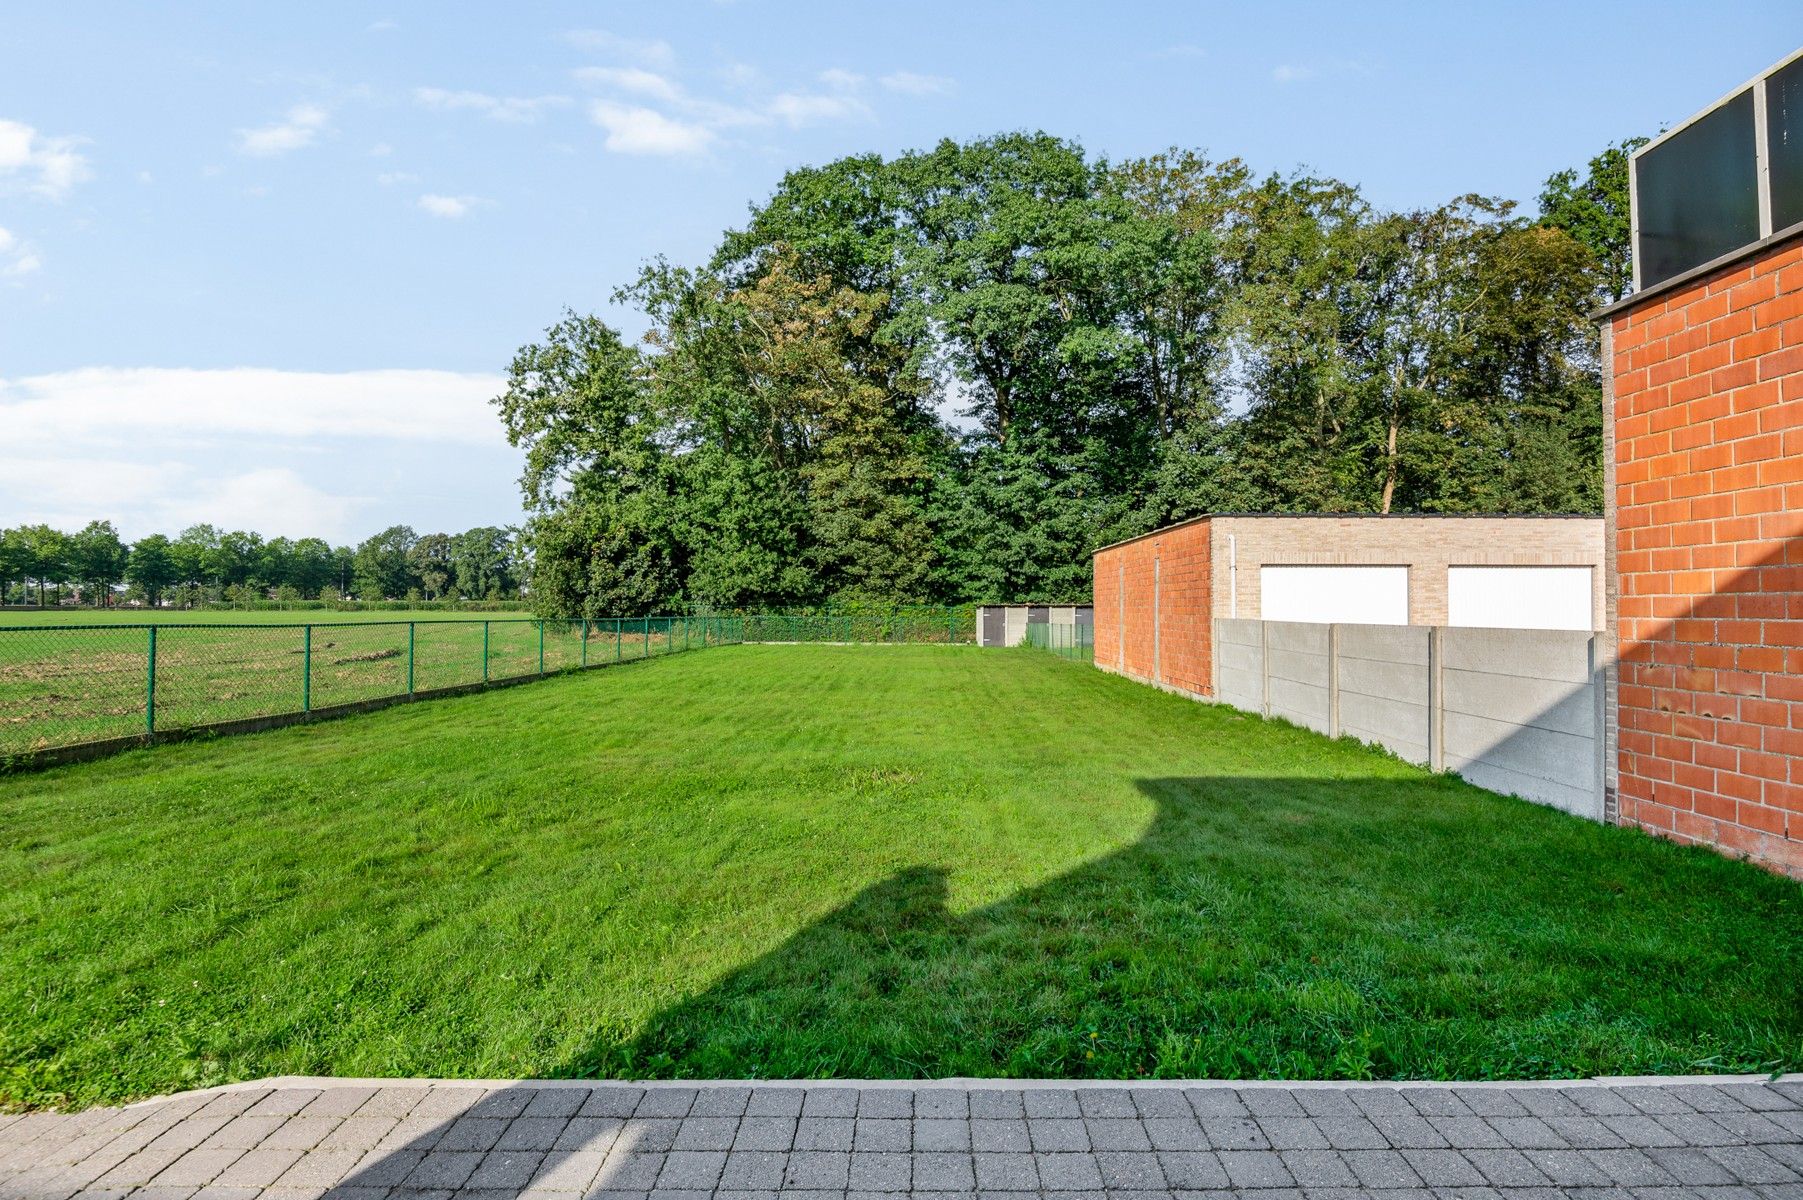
(1514, 711)
(1299, 662)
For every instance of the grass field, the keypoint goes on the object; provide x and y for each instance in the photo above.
(217, 616)
(64, 686)
(850, 861)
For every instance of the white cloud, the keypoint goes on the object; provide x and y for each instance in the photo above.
(44, 166)
(634, 80)
(299, 130)
(121, 404)
(650, 51)
(16, 258)
(299, 453)
(798, 109)
(381, 150)
(841, 79)
(635, 130)
(451, 208)
(515, 109)
(1291, 73)
(910, 84)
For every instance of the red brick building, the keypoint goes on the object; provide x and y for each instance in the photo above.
(1704, 400)
(1708, 484)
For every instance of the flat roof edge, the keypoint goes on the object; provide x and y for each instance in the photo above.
(1340, 516)
(1685, 279)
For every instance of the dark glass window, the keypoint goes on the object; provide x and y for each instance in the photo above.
(1784, 144)
(1698, 193)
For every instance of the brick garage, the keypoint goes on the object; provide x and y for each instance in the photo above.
(1210, 567)
(1707, 458)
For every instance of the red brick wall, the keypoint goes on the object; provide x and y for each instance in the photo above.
(1124, 588)
(1708, 411)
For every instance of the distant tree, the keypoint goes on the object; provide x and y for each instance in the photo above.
(311, 567)
(482, 563)
(15, 561)
(1593, 210)
(46, 557)
(96, 560)
(429, 561)
(151, 566)
(382, 570)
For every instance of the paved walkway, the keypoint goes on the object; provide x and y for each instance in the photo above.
(295, 1139)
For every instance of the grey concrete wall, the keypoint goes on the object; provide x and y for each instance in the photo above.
(1240, 664)
(1386, 695)
(1299, 662)
(1520, 714)
(1516, 711)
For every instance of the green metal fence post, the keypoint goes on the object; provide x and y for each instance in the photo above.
(410, 625)
(541, 647)
(685, 633)
(485, 652)
(616, 639)
(585, 641)
(306, 668)
(150, 685)
(647, 637)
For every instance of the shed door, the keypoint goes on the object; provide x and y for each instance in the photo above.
(994, 625)
(1334, 595)
(1519, 597)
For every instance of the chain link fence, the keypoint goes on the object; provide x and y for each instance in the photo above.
(64, 686)
(70, 685)
(1075, 642)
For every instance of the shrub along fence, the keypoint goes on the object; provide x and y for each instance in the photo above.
(75, 691)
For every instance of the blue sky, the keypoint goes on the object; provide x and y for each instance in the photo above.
(261, 264)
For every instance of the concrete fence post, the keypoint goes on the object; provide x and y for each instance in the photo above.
(1333, 681)
(1599, 708)
(1436, 699)
(1264, 668)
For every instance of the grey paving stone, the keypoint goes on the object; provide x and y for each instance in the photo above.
(706, 1133)
(466, 1133)
(1568, 1168)
(1506, 1168)
(1318, 1168)
(1545, 1102)
(1690, 1166)
(1050, 1102)
(511, 1169)
(443, 1169)
(1271, 1102)
(886, 1102)
(446, 1102)
(818, 1170)
(557, 1102)
(872, 1134)
(532, 1133)
(1381, 1102)
(1630, 1168)
(754, 1170)
(1130, 1171)
(1216, 1102)
(881, 1172)
(284, 1102)
(1585, 1133)
(1654, 1101)
(627, 1172)
(1408, 1132)
(720, 1102)
(1749, 1126)
(258, 1168)
(1638, 1130)
(1061, 1134)
(1468, 1133)
(1255, 1169)
(824, 1133)
(1527, 1133)
(1750, 1164)
(1381, 1168)
(245, 1131)
(1193, 1170)
(1292, 1133)
(589, 1133)
(1443, 1168)
(775, 1102)
(1436, 1102)
(938, 1134)
(357, 1133)
(1064, 1172)
(392, 1102)
(1326, 1102)
(200, 1166)
(572, 1170)
(998, 1134)
(942, 1103)
(1351, 1133)
(611, 1102)
(829, 1102)
(765, 1133)
(997, 1104)
(1602, 1101)
(666, 1102)
(385, 1168)
(1699, 1129)
(1160, 1102)
(691, 1170)
(1108, 1102)
(1704, 1098)
(647, 1135)
(1005, 1172)
(1110, 1133)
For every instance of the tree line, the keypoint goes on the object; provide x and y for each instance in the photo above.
(1119, 345)
(39, 564)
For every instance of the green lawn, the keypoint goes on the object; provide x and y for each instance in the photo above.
(858, 861)
(221, 616)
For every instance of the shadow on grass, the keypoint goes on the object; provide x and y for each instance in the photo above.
(1268, 927)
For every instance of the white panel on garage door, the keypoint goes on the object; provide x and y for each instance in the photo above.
(1335, 595)
(1519, 597)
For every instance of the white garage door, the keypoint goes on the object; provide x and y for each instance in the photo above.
(1335, 595)
(1519, 597)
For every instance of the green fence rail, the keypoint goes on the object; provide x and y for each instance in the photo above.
(1075, 642)
(64, 686)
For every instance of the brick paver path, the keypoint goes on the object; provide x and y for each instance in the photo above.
(295, 1139)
